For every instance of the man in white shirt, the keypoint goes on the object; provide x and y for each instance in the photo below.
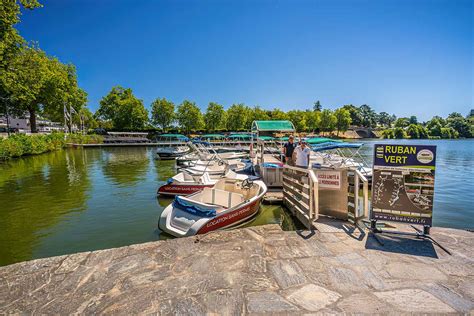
(301, 155)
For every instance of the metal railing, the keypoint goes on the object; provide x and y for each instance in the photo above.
(356, 211)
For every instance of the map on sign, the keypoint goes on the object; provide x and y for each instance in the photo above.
(403, 183)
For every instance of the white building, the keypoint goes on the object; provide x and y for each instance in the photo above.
(22, 125)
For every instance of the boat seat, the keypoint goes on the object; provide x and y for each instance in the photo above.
(222, 198)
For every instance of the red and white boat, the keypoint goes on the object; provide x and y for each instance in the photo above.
(228, 203)
(185, 183)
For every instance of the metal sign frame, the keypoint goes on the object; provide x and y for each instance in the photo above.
(403, 183)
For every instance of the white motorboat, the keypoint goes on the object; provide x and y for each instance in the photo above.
(183, 160)
(339, 155)
(228, 203)
(171, 152)
(218, 167)
(185, 183)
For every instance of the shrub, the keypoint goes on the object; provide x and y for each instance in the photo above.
(18, 145)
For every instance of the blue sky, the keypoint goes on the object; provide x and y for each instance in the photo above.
(399, 56)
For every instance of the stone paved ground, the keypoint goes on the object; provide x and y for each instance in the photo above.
(254, 270)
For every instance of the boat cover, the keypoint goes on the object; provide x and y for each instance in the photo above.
(320, 140)
(334, 145)
(193, 209)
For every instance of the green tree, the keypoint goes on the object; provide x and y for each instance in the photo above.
(313, 119)
(402, 122)
(369, 117)
(412, 131)
(162, 113)
(434, 126)
(343, 120)
(449, 132)
(10, 39)
(385, 119)
(189, 116)
(297, 117)
(422, 131)
(237, 117)
(38, 84)
(123, 109)
(356, 116)
(317, 107)
(388, 133)
(85, 118)
(278, 115)
(328, 121)
(256, 114)
(413, 119)
(215, 117)
(399, 133)
(460, 124)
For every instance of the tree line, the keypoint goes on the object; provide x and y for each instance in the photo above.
(454, 126)
(120, 109)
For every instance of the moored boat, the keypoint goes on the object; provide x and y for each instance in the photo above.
(185, 183)
(219, 167)
(171, 152)
(228, 203)
(183, 160)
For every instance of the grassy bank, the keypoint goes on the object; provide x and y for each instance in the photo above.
(18, 145)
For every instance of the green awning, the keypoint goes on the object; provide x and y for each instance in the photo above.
(172, 135)
(244, 136)
(212, 136)
(285, 138)
(277, 126)
(266, 138)
(321, 140)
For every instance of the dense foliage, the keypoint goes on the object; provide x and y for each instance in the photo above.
(123, 109)
(189, 116)
(162, 113)
(454, 126)
(18, 145)
(10, 39)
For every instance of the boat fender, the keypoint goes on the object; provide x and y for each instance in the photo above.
(169, 181)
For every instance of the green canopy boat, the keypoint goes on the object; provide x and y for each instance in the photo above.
(321, 140)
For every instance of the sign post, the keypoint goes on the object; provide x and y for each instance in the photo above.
(403, 187)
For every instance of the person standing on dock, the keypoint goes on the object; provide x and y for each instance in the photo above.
(301, 155)
(288, 150)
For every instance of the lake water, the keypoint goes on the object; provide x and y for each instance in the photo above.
(87, 199)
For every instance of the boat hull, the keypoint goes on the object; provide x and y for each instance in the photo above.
(181, 189)
(233, 218)
(169, 156)
(180, 222)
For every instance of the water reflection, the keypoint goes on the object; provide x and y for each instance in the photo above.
(35, 192)
(124, 166)
(164, 201)
(165, 169)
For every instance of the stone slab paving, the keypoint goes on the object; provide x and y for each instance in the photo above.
(254, 270)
